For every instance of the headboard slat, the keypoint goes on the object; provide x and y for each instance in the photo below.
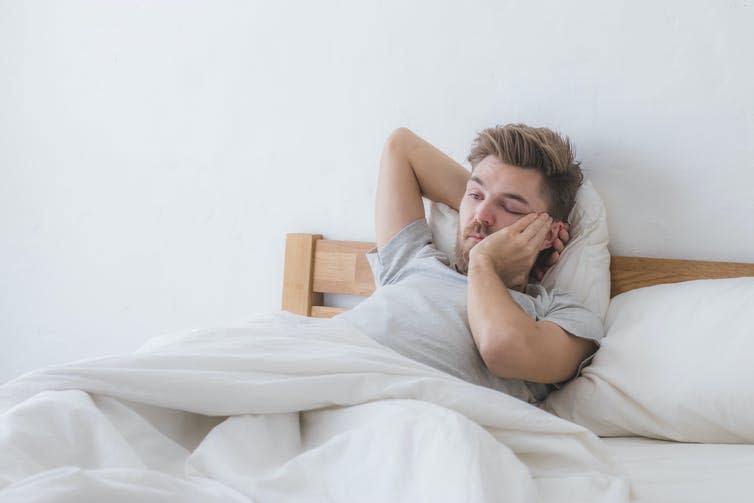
(342, 267)
(629, 273)
(326, 311)
(298, 275)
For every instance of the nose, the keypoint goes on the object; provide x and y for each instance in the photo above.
(485, 214)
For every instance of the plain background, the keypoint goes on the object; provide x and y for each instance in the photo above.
(153, 155)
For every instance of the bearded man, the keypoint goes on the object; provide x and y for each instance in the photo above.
(483, 320)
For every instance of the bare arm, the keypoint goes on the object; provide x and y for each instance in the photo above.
(411, 168)
(512, 344)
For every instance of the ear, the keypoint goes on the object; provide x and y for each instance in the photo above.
(552, 234)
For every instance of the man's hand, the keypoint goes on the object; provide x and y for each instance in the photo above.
(549, 257)
(513, 250)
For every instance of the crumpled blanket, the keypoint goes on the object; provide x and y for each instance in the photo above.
(284, 408)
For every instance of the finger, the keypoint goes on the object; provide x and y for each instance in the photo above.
(523, 222)
(537, 230)
(558, 245)
(564, 235)
(554, 257)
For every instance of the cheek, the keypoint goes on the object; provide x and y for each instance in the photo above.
(464, 215)
(506, 219)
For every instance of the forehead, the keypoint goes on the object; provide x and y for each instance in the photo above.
(500, 179)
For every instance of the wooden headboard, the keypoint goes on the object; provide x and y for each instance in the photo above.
(315, 266)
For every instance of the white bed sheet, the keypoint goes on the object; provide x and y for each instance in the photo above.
(670, 472)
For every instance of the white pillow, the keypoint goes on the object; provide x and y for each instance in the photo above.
(584, 266)
(676, 364)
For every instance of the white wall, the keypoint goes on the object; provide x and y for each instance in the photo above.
(154, 154)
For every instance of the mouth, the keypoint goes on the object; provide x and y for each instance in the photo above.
(476, 236)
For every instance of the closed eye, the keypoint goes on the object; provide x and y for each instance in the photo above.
(506, 209)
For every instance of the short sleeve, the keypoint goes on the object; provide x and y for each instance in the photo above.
(391, 262)
(574, 318)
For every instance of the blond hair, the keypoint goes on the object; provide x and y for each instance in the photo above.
(535, 148)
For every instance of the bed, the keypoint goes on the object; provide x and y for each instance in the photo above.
(658, 470)
(297, 406)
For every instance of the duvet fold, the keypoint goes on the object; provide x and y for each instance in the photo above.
(284, 408)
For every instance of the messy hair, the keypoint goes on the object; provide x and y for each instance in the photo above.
(535, 148)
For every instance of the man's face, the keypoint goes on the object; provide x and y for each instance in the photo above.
(497, 195)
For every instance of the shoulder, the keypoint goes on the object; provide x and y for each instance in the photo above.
(412, 243)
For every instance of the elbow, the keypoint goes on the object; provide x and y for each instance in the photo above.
(401, 132)
(397, 137)
(400, 140)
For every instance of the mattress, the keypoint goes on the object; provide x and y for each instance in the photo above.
(669, 472)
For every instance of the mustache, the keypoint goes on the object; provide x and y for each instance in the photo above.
(476, 228)
(462, 247)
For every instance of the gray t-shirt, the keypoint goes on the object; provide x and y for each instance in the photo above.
(419, 310)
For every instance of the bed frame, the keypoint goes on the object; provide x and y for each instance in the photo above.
(315, 266)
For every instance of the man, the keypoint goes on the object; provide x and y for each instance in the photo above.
(481, 320)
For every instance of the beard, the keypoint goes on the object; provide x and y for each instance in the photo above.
(463, 246)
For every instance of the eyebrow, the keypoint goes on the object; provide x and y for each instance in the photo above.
(504, 195)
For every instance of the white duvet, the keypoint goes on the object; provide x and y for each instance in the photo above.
(284, 409)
